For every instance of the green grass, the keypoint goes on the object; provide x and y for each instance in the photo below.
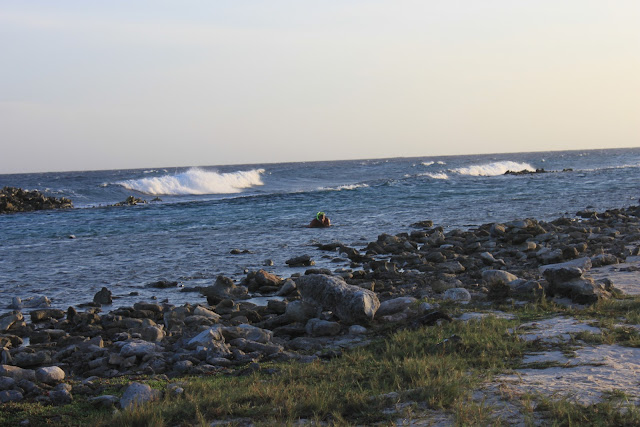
(427, 365)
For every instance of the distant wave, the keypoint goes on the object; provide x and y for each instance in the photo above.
(435, 175)
(196, 181)
(494, 169)
(344, 187)
(427, 163)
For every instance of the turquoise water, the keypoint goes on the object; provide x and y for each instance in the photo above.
(205, 212)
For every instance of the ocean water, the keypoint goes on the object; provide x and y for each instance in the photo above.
(205, 212)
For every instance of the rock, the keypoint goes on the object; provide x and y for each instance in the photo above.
(138, 349)
(562, 274)
(9, 319)
(583, 290)
(25, 360)
(7, 383)
(493, 277)
(452, 267)
(153, 334)
(582, 263)
(604, 259)
(36, 302)
(322, 328)
(252, 346)
(60, 397)
(547, 256)
(301, 261)
(17, 373)
(248, 332)
(264, 278)
(14, 199)
(287, 287)
(223, 288)
(349, 303)
(50, 375)
(46, 314)
(357, 330)
(106, 401)
(183, 366)
(212, 340)
(301, 311)
(527, 288)
(138, 394)
(103, 297)
(10, 396)
(205, 312)
(395, 305)
(162, 284)
(460, 295)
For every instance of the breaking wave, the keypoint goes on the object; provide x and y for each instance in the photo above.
(435, 175)
(345, 187)
(494, 169)
(196, 181)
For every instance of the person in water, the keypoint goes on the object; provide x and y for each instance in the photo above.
(321, 220)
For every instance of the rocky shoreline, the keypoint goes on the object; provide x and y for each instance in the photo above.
(312, 316)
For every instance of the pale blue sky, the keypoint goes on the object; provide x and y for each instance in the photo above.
(102, 85)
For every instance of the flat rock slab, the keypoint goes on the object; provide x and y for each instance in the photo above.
(594, 371)
(477, 316)
(625, 276)
(554, 330)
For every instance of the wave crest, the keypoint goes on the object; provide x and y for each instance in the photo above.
(196, 181)
(494, 169)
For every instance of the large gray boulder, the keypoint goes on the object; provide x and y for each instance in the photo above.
(350, 303)
(50, 375)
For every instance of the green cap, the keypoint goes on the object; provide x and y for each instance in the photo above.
(318, 215)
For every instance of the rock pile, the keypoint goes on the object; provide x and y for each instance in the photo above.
(18, 200)
(311, 313)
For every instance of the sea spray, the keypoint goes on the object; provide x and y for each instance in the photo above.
(493, 169)
(196, 181)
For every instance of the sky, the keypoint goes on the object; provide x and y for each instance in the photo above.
(88, 85)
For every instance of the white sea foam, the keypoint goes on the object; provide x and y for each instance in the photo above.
(427, 163)
(344, 187)
(494, 169)
(196, 181)
(435, 175)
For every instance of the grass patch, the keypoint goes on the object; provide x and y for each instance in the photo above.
(426, 365)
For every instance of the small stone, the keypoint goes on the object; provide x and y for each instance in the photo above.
(138, 394)
(460, 295)
(60, 397)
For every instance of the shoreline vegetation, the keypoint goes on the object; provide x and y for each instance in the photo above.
(427, 326)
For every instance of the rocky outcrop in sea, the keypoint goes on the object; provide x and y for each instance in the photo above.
(14, 199)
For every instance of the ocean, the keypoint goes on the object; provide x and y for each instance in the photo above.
(205, 212)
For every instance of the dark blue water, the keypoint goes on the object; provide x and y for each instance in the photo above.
(206, 212)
